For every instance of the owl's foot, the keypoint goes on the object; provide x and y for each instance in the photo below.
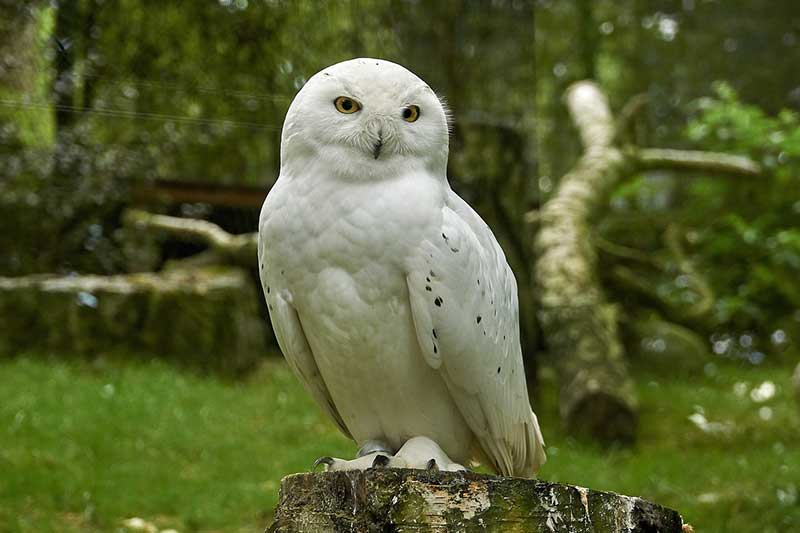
(420, 453)
(369, 460)
(423, 454)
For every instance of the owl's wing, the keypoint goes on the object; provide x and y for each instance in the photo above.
(464, 303)
(294, 345)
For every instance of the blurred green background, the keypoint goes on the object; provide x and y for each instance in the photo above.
(176, 108)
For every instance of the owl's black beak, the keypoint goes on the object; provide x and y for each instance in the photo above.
(376, 150)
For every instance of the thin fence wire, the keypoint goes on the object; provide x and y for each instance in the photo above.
(123, 113)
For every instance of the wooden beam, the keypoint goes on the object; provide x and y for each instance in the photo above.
(175, 192)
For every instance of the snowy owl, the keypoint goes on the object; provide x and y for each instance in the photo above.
(389, 296)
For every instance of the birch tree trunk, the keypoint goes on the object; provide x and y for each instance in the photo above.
(580, 326)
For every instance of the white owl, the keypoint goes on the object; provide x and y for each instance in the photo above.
(389, 296)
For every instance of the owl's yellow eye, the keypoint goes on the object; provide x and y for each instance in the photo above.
(346, 105)
(411, 113)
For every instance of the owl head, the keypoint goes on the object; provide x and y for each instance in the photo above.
(366, 119)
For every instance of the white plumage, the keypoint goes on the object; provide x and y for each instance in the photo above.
(389, 296)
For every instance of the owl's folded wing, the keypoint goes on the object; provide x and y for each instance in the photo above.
(294, 345)
(464, 303)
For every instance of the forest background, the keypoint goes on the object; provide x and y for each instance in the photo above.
(176, 108)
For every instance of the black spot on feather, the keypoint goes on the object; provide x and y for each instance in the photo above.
(438, 301)
(428, 288)
(435, 349)
(478, 319)
(267, 289)
(454, 250)
(498, 369)
(434, 333)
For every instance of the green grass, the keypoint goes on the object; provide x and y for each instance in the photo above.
(84, 446)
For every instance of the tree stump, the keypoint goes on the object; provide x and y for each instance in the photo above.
(398, 500)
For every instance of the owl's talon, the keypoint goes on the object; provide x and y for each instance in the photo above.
(380, 461)
(325, 460)
(432, 465)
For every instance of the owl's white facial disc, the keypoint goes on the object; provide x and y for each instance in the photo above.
(388, 122)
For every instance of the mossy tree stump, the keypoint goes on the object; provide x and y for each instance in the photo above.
(397, 500)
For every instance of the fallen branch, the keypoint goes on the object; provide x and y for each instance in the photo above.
(714, 162)
(237, 249)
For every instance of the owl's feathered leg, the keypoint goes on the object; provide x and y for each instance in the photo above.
(424, 454)
(372, 446)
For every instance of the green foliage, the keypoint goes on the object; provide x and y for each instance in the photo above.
(742, 234)
(750, 229)
(85, 446)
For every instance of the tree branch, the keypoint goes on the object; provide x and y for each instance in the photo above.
(238, 249)
(718, 163)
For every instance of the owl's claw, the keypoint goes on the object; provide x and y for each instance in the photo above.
(325, 460)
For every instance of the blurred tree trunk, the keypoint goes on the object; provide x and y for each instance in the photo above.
(796, 381)
(588, 40)
(580, 327)
(17, 69)
(64, 86)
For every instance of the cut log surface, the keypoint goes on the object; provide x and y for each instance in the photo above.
(398, 500)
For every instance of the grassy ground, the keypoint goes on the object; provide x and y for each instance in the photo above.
(84, 446)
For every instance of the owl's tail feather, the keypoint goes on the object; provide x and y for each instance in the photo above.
(536, 456)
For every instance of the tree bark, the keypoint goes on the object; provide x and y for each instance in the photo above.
(580, 327)
(416, 500)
